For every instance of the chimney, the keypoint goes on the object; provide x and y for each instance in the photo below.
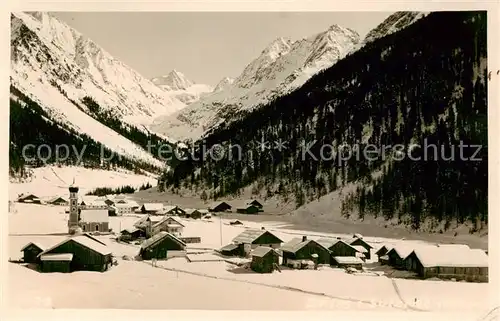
(304, 238)
(339, 238)
(262, 228)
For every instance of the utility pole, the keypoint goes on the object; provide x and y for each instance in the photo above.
(220, 224)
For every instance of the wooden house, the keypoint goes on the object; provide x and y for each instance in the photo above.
(347, 262)
(58, 200)
(173, 210)
(357, 241)
(31, 251)
(447, 263)
(338, 248)
(363, 253)
(253, 238)
(219, 207)
(29, 198)
(56, 262)
(235, 222)
(146, 223)
(158, 246)
(192, 213)
(232, 250)
(152, 208)
(131, 234)
(397, 255)
(247, 209)
(256, 204)
(123, 208)
(87, 255)
(264, 259)
(170, 225)
(383, 250)
(92, 202)
(94, 220)
(303, 249)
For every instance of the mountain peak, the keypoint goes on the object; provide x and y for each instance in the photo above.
(394, 23)
(174, 80)
(277, 47)
(223, 84)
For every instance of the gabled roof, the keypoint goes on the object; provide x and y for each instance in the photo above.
(250, 201)
(169, 220)
(57, 257)
(38, 245)
(85, 241)
(89, 216)
(401, 251)
(217, 203)
(190, 211)
(158, 237)
(449, 257)
(153, 206)
(92, 238)
(296, 244)
(352, 240)
(251, 235)
(386, 247)
(327, 242)
(261, 251)
(360, 249)
(57, 198)
(229, 247)
(25, 196)
(130, 230)
(245, 206)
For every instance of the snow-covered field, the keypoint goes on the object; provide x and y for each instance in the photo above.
(50, 181)
(178, 284)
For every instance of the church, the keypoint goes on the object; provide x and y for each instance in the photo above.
(86, 220)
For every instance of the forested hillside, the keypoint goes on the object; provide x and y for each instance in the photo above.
(425, 84)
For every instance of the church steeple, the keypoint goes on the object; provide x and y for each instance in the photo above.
(73, 207)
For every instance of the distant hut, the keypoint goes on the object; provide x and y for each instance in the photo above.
(256, 204)
(94, 220)
(170, 225)
(192, 213)
(87, 255)
(338, 248)
(173, 210)
(31, 251)
(123, 208)
(235, 222)
(253, 238)
(359, 241)
(152, 208)
(157, 246)
(109, 201)
(247, 209)
(58, 200)
(29, 198)
(264, 259)
(231, 250)
(131, 234)
(347, 262)
(302, 249)
(397, 255)
(219, 206)
(363, 253)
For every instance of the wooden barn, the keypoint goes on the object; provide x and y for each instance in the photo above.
(219, 207)
(256, 204)
(232, 250)
(146, 223)
(247, 209)
(253, 238)
(31, 251)
(358, 241)
(397, 255)
(56, 262)
(192, 213)
(88, 254)
(29, 198)
(347, 262)
(264, 259)
(173, 210)
(158, 246)
(465, 264)
(303, 249)
(383, 250)
(131, 234)
(338, 248)
(235, 222)
(94, 220)
(152, 208)
(58, 200)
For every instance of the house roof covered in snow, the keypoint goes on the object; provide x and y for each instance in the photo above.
(401, 250)
(57, 198)
(190, 211)
(38, 245)
(449, 257)
(251, 235)
(348, 260)
(229, 247)
(57, 257)
(153, 206)
(327, 242)
(261, 251)
(254, 202)
(360, 249)
(86, 241)
(215, 204)
(169, 220)
(296, 244)
(158, 237)
(94, 216)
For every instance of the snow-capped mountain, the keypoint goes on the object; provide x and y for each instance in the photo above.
(57, 67)
(180, 87)
(394, 23)
(281, 67)
(223, 84)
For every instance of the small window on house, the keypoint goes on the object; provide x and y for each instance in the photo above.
(83, 228)
(97, 227)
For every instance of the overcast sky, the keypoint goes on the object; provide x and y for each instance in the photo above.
(205, 46)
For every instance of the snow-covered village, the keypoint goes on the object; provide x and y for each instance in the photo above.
(268, 225)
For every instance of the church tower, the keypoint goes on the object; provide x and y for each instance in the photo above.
(73, 208)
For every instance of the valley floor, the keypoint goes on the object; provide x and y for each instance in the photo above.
(179, 284)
